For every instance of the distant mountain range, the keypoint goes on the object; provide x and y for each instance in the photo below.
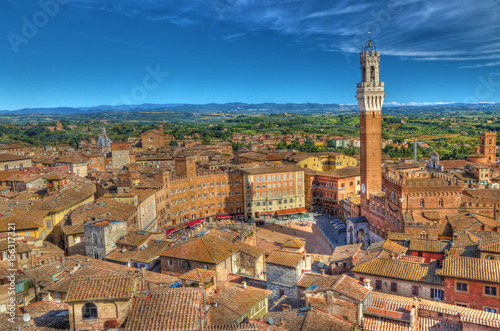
(309, 108)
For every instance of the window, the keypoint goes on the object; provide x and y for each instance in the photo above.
(490, 310)
(490, 290)
(170, 263)
(89, 311)
(394, 287)
(378, 284)
(437, 294)
(422, 203)
(462, 287)
(414, 290)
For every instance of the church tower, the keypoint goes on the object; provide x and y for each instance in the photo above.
(370, 96)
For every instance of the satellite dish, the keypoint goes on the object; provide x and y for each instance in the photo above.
(271, 321)
(26, 317)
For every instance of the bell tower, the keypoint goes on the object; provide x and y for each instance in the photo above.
(370, 96)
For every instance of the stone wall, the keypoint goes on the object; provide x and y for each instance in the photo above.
(106, 310)
(104, 240)
(404, 287)
(283, 278)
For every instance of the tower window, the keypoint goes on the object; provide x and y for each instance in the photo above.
(372, 74)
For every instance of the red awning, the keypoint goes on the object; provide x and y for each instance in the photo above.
(302, 210)
(224, 216)
(175, 228)
(195, 222)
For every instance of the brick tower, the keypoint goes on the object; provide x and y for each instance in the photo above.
(488, 145)
(370, 96)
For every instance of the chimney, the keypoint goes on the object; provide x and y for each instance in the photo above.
(366, 283)
(412, 316)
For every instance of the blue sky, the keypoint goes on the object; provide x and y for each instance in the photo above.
(93, 52)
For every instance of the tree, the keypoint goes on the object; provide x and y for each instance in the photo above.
(206, 140)
(173, 143)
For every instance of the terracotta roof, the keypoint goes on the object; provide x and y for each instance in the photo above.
(166, 309)
(318, 320)
(388, 246)
(208, 249)
(294, 243)
(285, 258)
(434, 246)
(199, 275)
(425, 273)
(41, 307)
(5, 157)
(464, 314)
(234, 301)
(384, 324)
(101, 287)
(149, 276)
(471, 268)
(399, 236)
(410, 258)
(346, 251)
(24, 220)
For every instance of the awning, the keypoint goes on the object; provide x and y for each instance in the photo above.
(175, 228)
(239, 215)
(195, 222)
(290, 211)
(302, 210)
(266, 212)
(223, 216)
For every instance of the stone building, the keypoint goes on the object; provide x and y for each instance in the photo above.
(401, 277)
(272, 188)
(197, 193)
(120, 154)
(211, 252)
(101, 237)
(153, 139)
(14, 162)
(95, 305)
(283, 269)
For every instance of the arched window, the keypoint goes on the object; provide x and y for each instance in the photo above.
(94, 236)
(424, 235)
(89, 311)
(21, 165)
(6, 167)
(372, 74)
(422, 203)
(440, 202)
(96, 254)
